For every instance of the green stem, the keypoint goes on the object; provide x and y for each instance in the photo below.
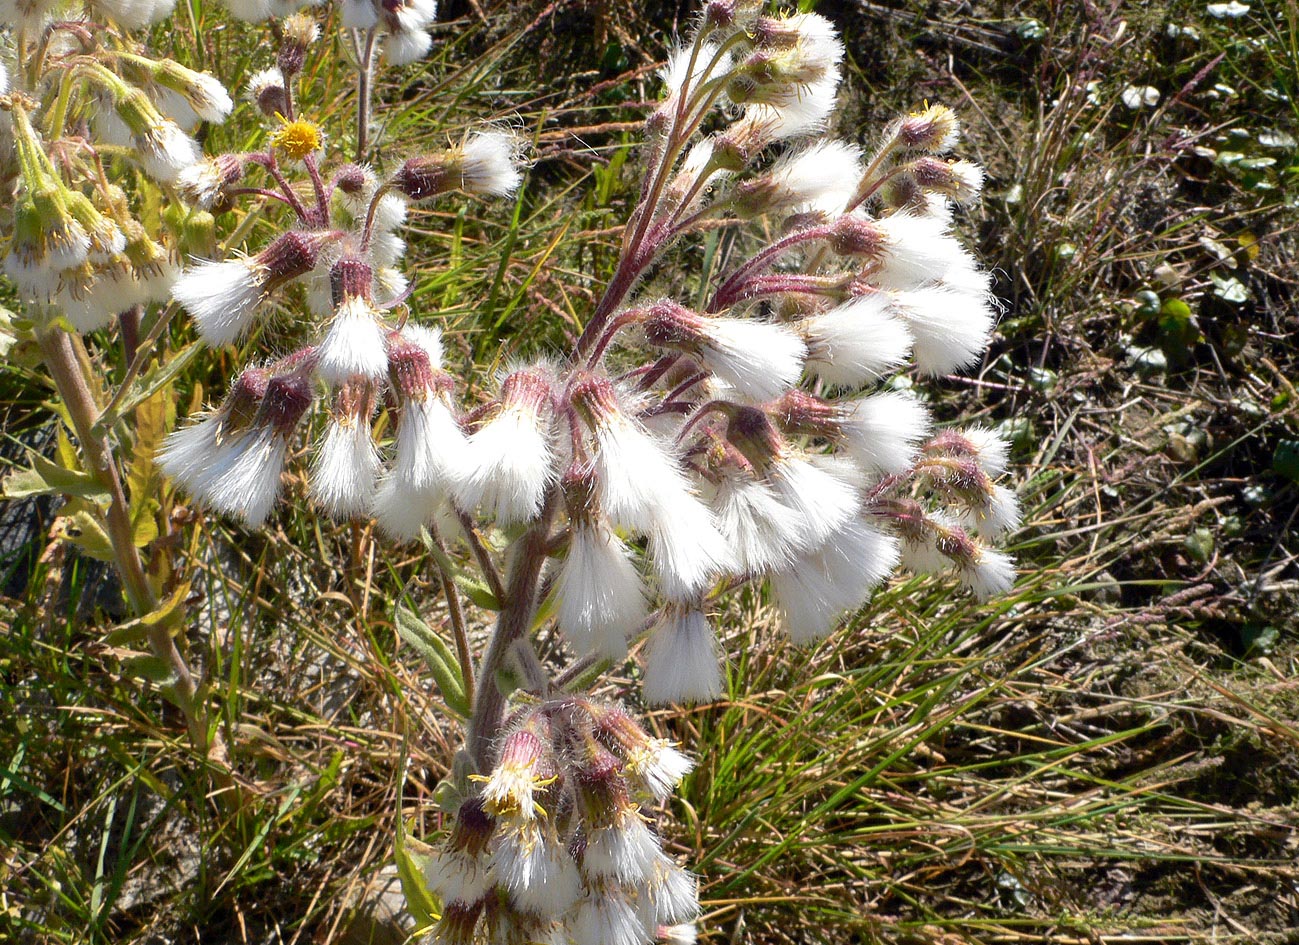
(69, 370)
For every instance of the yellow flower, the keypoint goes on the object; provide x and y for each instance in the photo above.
(296, 139)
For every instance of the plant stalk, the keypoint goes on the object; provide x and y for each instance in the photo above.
(519, 608)
(70, 377)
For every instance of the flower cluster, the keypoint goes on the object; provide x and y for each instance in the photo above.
(345, 250)
(558, 846)
(679, 448)
(399, 27)
(86, 106)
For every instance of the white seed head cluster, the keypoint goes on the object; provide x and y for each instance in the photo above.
(558, 846)
(683, 447)
(345, 250)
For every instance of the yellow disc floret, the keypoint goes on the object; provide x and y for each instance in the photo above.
(296, 139)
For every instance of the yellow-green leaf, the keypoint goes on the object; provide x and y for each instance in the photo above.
(47, 478)
(168, 614)
(86, 530)
(421, 902)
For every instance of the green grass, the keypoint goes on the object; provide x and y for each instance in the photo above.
(1108, 754)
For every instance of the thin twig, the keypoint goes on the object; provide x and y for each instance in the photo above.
(463, 654)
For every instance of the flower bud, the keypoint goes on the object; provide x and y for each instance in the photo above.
(299, 32)
(204, 183)
(266, 90)
(935, 129)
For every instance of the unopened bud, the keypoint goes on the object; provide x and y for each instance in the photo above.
(751, 431)
(801, 414)
(856, 235)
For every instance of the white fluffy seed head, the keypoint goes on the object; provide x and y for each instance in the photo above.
(508, 465)
(951, 327)
(355, 345)
(221, 297)
(406, 46)
(819, 588)
(657, 768)
(762, 532)
(250, 11)
(881, 432)
(164, 151)
(991, 449)
(682, 662)
(346, 469)
(821, 177)
(359, 14)
(760, 360)
(680, 69)
(431, 455)
(686, 548)
(917, 250)
(600, 593)
(605, 916)
(245, 480)
(534, 867)
(820, 500)
(856, 343)
(998, 515)
(624, 851)
(458, 876)
(805, 111)
(490, 163)
(991, 572)
(670, 896)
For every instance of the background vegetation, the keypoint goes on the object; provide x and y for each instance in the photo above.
(1109, 754)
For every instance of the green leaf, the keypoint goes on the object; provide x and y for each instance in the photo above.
(420, 901)
(1229, 288)
(155, 669)
(441, 661)
(1285, 460)
(476, 591)
(47, 478)
(86, 530)
(168, 614)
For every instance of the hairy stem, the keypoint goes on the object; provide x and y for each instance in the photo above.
(364, 80)
(70, 377)
(517, 612)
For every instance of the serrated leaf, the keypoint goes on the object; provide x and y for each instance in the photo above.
(441, 661)
(420, 901)
(47, 478)
(152, 419)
